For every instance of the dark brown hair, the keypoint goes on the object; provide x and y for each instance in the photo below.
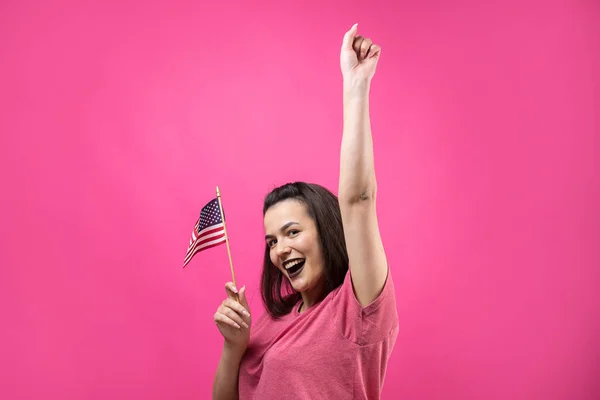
(323, 207)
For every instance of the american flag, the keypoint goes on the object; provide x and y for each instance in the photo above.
(208, 231)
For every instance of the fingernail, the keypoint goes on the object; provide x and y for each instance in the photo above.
(237, 326)
(234, 289)
(246, 325)
(246, 313)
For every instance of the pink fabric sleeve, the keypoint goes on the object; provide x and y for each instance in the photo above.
(370, 324)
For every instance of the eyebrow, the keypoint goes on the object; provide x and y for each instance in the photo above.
(283, 228)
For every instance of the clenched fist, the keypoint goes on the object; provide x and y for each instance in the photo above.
(359, 57)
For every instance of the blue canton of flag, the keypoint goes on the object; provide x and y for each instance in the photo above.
(208, 231)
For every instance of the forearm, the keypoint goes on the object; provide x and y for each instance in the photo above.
(225, 386)
(357, 168)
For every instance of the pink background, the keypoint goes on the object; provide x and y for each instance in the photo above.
(118, 119)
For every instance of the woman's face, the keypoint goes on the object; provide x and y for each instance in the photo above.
(293, 242)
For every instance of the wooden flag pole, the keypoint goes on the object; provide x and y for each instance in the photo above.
(227, 242)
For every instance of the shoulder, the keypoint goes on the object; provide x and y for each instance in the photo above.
(346, 293)
(370, 323)
(265, 324)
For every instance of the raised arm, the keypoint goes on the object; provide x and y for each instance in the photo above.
(357, 186)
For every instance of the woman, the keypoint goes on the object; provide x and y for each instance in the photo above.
(331, 322)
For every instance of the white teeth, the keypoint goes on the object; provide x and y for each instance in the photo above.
(292, 263)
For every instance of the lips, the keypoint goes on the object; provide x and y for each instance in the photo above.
(294, 267)
(295, 270)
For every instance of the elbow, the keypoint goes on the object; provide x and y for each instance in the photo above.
(364, 195)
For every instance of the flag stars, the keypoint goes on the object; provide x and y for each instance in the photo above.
(211, 225)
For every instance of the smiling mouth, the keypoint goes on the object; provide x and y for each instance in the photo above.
(295, 269)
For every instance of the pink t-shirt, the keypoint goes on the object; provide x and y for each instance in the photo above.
(336, 349)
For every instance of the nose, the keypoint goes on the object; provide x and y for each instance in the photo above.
(281, 249)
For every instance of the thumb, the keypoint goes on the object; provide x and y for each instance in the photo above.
(349, 37)
(243, 300)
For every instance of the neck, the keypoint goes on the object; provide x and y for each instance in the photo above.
(312, 296)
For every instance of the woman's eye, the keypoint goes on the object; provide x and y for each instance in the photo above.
(271, 243)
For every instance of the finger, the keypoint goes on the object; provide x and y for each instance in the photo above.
(233, 315)
(349, 37)
(224, 319)
(364, 47)
(243, 299)
(374, 51)
(231, 290)
(237, 307)
(357, 43)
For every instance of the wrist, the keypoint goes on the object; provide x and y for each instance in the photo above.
(233, 351)
(356, 85)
